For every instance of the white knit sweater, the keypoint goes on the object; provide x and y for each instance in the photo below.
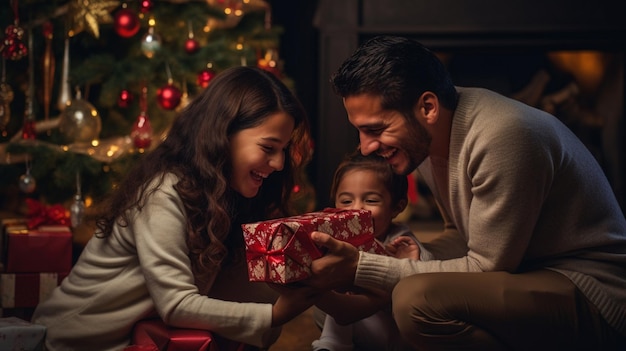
(142, 270)
(524, 193)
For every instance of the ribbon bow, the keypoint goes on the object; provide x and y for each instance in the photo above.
(41, 214)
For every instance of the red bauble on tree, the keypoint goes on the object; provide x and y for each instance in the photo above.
(146, 6)
(204, 77)
(126, 22)
(191, 46)
(125, 99)
(169, 96)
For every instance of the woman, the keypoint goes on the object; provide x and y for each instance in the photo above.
(169, 244)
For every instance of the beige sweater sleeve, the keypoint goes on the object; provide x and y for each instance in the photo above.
(162, 251)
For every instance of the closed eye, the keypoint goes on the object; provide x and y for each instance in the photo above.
(372, 200)
(267, 148)
(344, 202)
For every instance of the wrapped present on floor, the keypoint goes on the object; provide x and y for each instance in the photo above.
(18, 334)
(19, 290)
(6, 223)
(154, 335)
(44, 249)
(281, 250)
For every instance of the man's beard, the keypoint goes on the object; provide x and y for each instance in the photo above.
(416, 144)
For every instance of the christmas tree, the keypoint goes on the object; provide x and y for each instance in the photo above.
(87, 86)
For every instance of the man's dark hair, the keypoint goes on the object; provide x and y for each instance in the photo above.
(397, 69)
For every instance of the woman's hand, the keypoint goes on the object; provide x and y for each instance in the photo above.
(404, 247)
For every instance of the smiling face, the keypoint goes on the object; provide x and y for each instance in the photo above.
(403, 143)
(364, 189)
(257, 152)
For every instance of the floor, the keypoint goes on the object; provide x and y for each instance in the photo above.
(298, 334)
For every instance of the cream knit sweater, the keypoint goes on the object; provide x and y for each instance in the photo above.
(142, 270)
(524, 193)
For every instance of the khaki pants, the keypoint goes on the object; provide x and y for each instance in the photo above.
(539, 310)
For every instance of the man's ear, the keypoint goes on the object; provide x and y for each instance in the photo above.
(428, 105)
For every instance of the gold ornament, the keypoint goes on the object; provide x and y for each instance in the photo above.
(88, 14)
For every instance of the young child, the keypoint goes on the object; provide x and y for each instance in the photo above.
(368, 182)
(169, 243)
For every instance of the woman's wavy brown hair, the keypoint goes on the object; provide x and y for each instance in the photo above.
(197, 150)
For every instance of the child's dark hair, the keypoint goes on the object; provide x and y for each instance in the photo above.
(396, 184)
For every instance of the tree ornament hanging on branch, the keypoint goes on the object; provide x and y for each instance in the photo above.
(191, 44)
(80, 121)
(146, 6)
(77, 208)
(27, 183)
(125, 98)
(13, 47)
(142, 130)
(126, 22)
(151, 41)
(89, 14)
(169, 96)
(205, 76)
(48, 66)
(64, 87)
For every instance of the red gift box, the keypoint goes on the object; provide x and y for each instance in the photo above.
(27, 289)
(154, 335)
(45, 249)
(17, 223)
(281, 251)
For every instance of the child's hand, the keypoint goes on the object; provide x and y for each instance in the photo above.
(404, 247)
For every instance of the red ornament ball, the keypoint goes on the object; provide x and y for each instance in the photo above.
(125, 99)
(146, 6)
(192, 46)
(204, 77)
(169, 96)
(126, 23)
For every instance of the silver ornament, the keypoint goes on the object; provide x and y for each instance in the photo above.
(27, 183)
(77, 208)
(64, 89)
(150, 43)
(77, 211)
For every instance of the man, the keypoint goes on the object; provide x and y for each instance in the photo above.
(533, 252)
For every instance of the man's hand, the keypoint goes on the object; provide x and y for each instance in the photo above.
(337, 267)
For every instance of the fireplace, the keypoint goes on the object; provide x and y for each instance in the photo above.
(562, 56)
